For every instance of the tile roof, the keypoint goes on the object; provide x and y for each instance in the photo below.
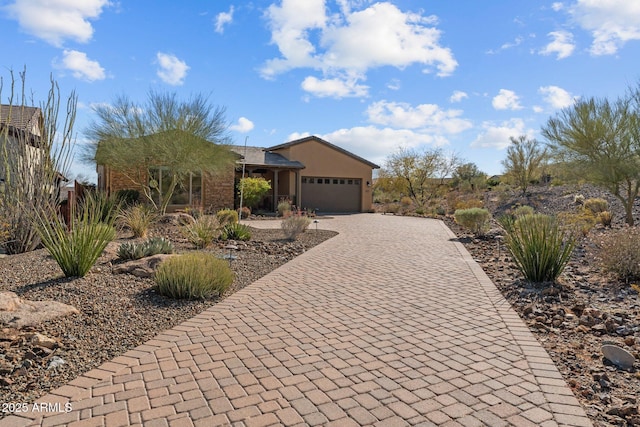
(21, 117)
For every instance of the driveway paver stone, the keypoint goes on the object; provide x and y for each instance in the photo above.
(391, 322)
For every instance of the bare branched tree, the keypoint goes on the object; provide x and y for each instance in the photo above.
(35, 154)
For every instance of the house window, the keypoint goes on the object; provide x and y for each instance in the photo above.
(327, 181)
(188, 190)
(342, 181)
(304, 180)
(350, 182)
(319, 181)
(335, 181)
(310, 180)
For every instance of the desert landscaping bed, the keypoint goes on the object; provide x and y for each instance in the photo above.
(117, 312)
(574, 318)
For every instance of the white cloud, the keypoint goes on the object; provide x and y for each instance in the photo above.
(81, 66)
(517, 42)
(496, 135)
(375, 144)
(458, 96)
(557, 6)
(612, 23)
(562, 44)
(347, 44)
(394, 84)
(222, 19)
(557, 97)
(54, 21)
(335, 88)
(244, 125)
(506, 100)
(172, 70)
(426, 117)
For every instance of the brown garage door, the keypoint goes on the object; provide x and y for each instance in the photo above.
(331, 194)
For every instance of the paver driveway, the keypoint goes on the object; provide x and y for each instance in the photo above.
(389, 323)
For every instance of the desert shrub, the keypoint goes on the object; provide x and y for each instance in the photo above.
(605, 218)
(194, 275)
(523, 211)
(406, 201)
(294, 225)
(420, 211)
(194, 211)
(475, 219)
(235, 231)
(77, 246)
(539, 246)
(581, 222)
(128, 197)
(245, 212)
(596, 205)
(152, 246)
(468, 204)
(108, 205)
(227, 216)
(578, 199)
(392, 208)
(137, 218)
(201, 232)
(620, 253)
(284, 206)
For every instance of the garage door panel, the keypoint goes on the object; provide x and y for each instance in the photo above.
(331, 194)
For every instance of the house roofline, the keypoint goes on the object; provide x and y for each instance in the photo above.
(328, 144)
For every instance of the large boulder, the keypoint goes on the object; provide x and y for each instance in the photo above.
(16, 312)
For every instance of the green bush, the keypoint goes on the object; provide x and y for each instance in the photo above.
(202, 231)
(227, 216)
(152, 246)
(475, 219)
(77, 246)
(252, 190)
(605, 218)
(283, 207)
(620, 254)
(137, 218)
(194, 275)
(523, 211)
(539, 246)
(108, 205)
(235, 231)
(596, 205)
(294, 225)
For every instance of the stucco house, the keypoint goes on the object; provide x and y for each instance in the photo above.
(311, 172)
(20, 138)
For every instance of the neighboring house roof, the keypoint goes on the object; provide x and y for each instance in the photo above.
(21, 119)
(328, 144)
(260, 156)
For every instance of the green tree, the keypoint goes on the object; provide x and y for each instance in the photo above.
(600, 140)
(252, 190)
(468, 175)
(177, 137)
(421, 174)
(524, 161)
(35, 155)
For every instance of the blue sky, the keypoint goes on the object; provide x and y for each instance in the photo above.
(368, 76)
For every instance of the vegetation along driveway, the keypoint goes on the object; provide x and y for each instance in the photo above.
(389, 323)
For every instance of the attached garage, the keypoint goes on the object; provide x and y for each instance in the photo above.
(332, 194)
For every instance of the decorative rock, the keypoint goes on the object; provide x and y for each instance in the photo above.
(43, 341)
(618, 356)
(17, 313)
(145, 267)
(56, 362)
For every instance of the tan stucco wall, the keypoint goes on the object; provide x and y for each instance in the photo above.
(321, 160)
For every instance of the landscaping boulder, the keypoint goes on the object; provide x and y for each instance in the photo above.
(144, 267)
(16, 312)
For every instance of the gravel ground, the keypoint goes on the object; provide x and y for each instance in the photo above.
(117, 311)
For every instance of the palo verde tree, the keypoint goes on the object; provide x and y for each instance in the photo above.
(175, 137)
(35, 154)
(600, 140)
(421, 174)
(524, 161)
